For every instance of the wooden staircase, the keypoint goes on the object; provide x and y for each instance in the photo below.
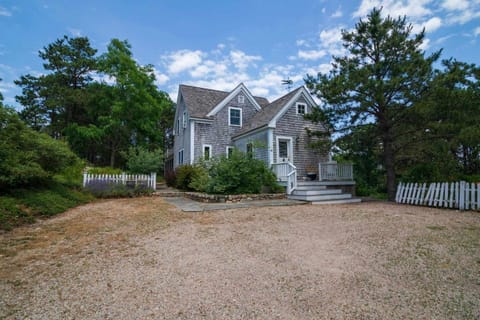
(317, 193)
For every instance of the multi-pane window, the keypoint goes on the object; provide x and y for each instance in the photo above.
(301, 108)
(250, 150)
(235, 116)
(185, 119)
(283, 149)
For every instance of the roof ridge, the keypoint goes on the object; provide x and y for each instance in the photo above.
(285, 95)
(222, 91)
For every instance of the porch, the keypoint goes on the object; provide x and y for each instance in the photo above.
(335, 179)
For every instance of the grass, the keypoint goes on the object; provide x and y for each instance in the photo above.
(22, 206)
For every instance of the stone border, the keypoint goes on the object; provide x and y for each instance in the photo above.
(232, 198)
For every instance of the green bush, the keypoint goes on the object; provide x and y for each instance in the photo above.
(140, 160)
(103, 170)
(28, 157)
(186, 174)
(239, 174)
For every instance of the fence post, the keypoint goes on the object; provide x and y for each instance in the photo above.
(153, 180)
(462, 196)
(85, 174)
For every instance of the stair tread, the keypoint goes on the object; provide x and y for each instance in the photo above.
(340, 201)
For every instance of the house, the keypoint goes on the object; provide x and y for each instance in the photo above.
(210, 123)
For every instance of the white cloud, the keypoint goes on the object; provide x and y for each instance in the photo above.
(455, 5)
(425, 44)
(182, 60)
(5, 12)
(463, 17)
(75, 32)
(337, 14)
(209, 68)
(160, 78)
(242, 60)
(476, 32)
(331, 36)
(430, 25)
(395, 8)
(311, 54)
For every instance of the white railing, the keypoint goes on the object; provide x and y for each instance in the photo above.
(150, 181)
(456, 195)
(286, 172)
(335, 171)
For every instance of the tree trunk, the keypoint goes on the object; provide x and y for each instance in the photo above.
(112, 157)
(389, 158)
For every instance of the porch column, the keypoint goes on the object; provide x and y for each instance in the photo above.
(270, 146)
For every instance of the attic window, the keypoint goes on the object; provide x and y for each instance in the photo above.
(301, 108)
(235, 116)
(241, 99)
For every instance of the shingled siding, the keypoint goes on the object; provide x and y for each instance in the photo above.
(218, 133)
(260, 143)
(293, 125)
(182, 139)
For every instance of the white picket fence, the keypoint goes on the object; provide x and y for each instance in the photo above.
(456, 195)
(134, 179)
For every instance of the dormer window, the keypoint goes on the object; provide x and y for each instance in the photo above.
(235, 116)
(301, 108)
(241, 99)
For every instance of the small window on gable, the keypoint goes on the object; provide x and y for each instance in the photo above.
(178, 126)
(184, 119)
(229, 151)
(207, 151)
(301, 108)
(235, 116)
(241, 98)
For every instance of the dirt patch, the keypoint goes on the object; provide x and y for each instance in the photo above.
(141, 258)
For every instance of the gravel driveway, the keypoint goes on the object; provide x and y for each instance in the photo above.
(144, 259)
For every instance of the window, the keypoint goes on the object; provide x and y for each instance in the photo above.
(241, 99)
(178, 126)
(184, 119)
(282, 148)
(180, 157)
(250, 150)
(301, 108)
(207, 151)
(229, 151)
(235, 116)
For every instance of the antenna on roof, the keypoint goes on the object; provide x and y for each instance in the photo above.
(288, 82)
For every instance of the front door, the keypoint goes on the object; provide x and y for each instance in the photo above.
(284, 149)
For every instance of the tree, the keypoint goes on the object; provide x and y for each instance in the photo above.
(137, 105)
(384, 73)
(54, 101)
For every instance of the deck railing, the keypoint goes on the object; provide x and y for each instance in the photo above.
(332, 171)
(286, 172)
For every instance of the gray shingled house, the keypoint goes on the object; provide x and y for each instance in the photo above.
(212, 123)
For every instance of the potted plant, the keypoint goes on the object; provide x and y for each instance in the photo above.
(311, 172)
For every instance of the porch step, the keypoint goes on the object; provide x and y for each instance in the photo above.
(310, 192)
(323, 197)
(311, 183)
(341, 201)
(307, 188)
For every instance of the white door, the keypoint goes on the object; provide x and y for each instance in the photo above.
(284, 149)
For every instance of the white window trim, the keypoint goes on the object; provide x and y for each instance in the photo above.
(203, 150)
(290, 147)
(301, 104)
(241, 117)
(228, 148)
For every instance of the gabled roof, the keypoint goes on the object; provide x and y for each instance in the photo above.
(200, 101)
(268, 112)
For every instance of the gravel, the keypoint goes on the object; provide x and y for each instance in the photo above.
(145, 259)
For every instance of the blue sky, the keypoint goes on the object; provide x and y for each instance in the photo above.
(217, 44)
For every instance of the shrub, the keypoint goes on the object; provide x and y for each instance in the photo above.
(106, 189)
(239, 174)
(171, 178)
(140, 160)
(28, 157)
(104, 170)
(186, 174)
